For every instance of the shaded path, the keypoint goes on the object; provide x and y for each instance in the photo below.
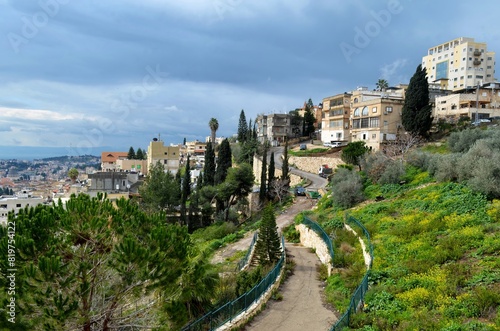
(302, 307)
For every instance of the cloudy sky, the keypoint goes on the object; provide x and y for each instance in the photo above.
(86, 74)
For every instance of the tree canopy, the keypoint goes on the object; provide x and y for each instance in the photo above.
(160, 191)
(224, 162)
(214, 126)
(417, 112)
(353, 153)
(92, 264)
(268, 246)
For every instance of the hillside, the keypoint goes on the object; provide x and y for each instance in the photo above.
(436, 256)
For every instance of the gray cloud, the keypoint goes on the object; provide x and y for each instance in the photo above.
(90, 60)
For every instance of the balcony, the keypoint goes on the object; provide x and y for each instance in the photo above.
(477, 53)
(476, 62)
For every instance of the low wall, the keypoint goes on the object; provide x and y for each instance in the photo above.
(309, 238)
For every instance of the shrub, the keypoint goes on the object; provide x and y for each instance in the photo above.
(462, 141)
(291, 234)
(347, 188)
(447, 167)
(393, 173)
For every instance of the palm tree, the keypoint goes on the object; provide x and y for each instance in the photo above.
(382, 85)
(214, 126)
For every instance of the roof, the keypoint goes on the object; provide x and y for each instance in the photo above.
(113, 156)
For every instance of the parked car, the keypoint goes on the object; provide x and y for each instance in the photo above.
(303, 147)
(329, 145)
(299, 190)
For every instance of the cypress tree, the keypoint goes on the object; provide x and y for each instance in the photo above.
(417, 112)
(224, 161)
(263, 177)
(209, 168)
(268, 247)
(270, 173)
(186, 191)
(284, 165)
(242, 127)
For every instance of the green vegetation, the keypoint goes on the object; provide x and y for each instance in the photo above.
(417, 111)
(308, 152)
(436, 239)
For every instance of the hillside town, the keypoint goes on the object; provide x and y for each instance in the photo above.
(462, 87)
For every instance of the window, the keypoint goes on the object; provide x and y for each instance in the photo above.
(364, 136)
(374, 122)
(469, 76)
(386, 123)
(166, 153)
(374, 136)
(461, 77)
(490, 58)
(356, 112)
(364, 112)
(364, 122)
(479, 76)
(388, 109)
(355, 100)
(355, 124)
(18, 205)
(374, 109)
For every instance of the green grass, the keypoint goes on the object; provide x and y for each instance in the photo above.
(308, 152)
(437, 261)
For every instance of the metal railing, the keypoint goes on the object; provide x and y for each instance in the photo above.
(230, 310)
(359, 294)
(319, 230)
(243, 262)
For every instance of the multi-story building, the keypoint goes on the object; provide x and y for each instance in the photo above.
(169, 156)
(483, 103)
(460, 63)
(126, 165)
(375, 116)
(273, 128)
(108, 160)
(335, 118)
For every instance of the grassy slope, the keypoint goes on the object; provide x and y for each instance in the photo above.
(437, 263)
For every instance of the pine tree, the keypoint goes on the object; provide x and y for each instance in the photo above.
(263, 177)
(268, 247)
(209, 168)
(139, 155)
(160, 191)
(83, 264)
(242, 127)
(417, 112)
(224, 162)
(131, 153)
(270, 174)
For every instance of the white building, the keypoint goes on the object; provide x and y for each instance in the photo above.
(460, 63)
(16, 203)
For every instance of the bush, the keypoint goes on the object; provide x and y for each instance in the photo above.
(291, 234)
(462, 141)
(347, 188)
(393, 173)
(447, 167)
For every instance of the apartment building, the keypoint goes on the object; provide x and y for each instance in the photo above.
(335, 118)
(273, 128)
(169, 156)
(15, 203)
(459, 63)
(375, 116)
(483, 102)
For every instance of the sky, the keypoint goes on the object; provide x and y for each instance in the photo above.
(118, 73)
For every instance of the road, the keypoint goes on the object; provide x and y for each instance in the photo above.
(317, 182)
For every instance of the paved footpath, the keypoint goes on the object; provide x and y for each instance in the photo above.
(302, 307)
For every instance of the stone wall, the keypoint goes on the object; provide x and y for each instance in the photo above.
(312, 164)
(309, 238)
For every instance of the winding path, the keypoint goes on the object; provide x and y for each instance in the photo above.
(302, 307)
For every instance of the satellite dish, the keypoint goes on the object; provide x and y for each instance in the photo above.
(155, 139)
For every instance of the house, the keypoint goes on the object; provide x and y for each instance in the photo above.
(467, 103)
(108, 160)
